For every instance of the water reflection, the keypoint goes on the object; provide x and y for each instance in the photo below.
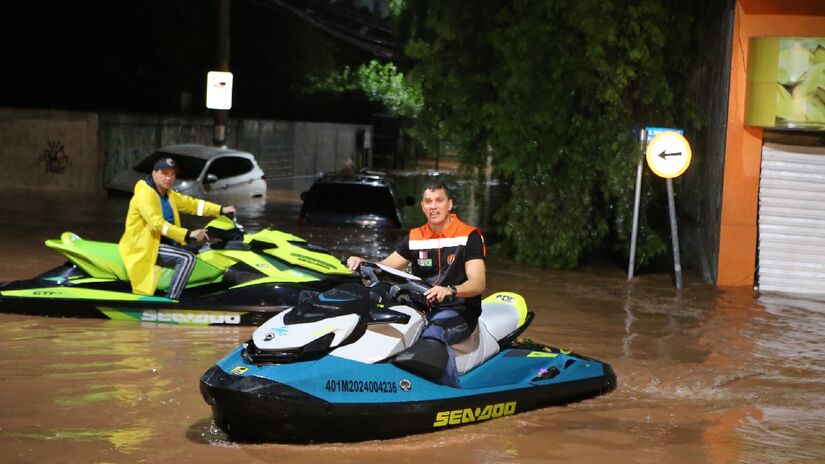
(629, 334)
(124, 441)
(705, 375)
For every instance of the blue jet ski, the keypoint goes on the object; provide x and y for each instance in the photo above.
(348, 365)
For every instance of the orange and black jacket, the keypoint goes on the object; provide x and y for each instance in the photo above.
(439, 259)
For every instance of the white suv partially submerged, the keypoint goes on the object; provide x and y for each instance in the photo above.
(206, 172)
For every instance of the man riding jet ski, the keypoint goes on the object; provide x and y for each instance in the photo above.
(449, 256)
(348, 365)
(237, 279)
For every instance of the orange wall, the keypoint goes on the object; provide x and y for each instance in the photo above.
(737, 237)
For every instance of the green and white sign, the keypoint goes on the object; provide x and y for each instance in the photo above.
(786, 83)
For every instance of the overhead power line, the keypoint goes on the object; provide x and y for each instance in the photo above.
(359, 30)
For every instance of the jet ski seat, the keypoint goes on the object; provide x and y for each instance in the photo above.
(101, 260)
(475, 349)
(503, 317)
(98, 259)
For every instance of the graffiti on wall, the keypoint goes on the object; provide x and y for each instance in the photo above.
(54, 158)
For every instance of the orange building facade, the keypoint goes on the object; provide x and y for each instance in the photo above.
(743, 144)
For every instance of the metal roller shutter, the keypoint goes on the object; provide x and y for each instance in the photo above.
(791, 250)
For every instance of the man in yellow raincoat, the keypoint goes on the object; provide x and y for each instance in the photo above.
(153, 234)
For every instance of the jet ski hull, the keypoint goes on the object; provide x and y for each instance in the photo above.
(239, 279)
(210, 305)
(333, 399)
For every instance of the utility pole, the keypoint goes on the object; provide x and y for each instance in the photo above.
(222, 55)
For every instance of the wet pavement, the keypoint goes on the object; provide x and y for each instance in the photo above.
(705, 375)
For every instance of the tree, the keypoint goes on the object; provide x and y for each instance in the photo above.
(551, 90)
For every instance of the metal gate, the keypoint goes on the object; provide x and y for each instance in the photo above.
(791, 249)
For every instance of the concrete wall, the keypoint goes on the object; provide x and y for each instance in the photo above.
(127, 138)
(74, 151)
(49, 150)
(338, 146)
(290, 153)
(272, 142)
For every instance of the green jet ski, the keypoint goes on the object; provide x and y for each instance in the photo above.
(239, 279)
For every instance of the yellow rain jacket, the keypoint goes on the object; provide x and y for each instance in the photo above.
(144, 227)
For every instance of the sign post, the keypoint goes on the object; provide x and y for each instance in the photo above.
(635, 231)
(668, 155)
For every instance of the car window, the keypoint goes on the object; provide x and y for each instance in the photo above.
(230, 166)
(190, 168)
(350, 199)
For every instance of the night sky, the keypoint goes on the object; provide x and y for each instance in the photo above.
(142, 56)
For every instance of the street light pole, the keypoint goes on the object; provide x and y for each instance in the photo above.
(222, 55)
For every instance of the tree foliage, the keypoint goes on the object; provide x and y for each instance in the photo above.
(380, 82)
(551, 91)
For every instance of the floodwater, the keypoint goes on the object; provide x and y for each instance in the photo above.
(704, 375)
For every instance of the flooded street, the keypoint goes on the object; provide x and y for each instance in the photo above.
(704, 375)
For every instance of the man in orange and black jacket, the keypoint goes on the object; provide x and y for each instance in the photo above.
(449, 255)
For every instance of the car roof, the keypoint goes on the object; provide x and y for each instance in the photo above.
(202, 151)
(371, 178)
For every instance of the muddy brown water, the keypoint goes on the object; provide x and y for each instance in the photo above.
(704, 375)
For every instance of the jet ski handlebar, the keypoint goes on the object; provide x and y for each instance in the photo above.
(369, 271)
(410, 292)
(223, 229)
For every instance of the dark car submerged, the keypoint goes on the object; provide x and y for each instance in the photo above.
(363, 200)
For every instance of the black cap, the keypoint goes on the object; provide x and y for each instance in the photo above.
(166, 163)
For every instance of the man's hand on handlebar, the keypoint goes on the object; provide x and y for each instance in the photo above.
(198, 235)
(353, 262)
(229, 210)
(438, 293)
